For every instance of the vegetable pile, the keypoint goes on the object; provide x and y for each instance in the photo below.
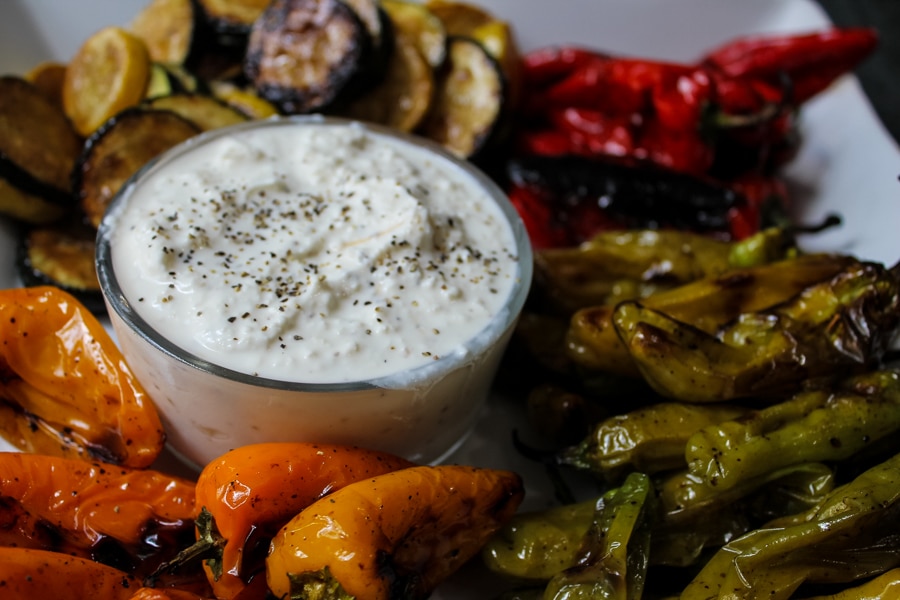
(728, 398)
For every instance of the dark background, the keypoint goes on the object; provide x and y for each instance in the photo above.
(880, 74)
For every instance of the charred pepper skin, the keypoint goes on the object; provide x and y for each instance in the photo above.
(845, 538)
(594, 338)
(64, 386)
(828, 330)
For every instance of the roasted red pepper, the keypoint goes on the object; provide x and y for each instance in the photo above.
(810, 61)
(726, 120)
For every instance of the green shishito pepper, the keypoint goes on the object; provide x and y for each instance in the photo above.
(650, 439)
(612, 563)
(618, 265)
(851, 535)
(883, 587)
(598, 548)
(844, 324)
(708, 304)
(815, 425)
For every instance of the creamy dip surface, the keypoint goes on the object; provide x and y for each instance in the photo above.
(313, 253)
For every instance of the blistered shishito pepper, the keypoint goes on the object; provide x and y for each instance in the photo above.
(851, 416)
(619, 265)
(129, 518)
(649, 439)
(886, 585)
(849, 536)
(394, 535)
(831, 328)
(65, 387)
(246, 495)
(693, 523)
(705, 306)
(614, 556)
(536, 545)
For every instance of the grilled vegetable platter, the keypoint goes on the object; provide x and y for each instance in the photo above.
(702, 398)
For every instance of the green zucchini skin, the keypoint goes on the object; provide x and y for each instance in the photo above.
(470, 106)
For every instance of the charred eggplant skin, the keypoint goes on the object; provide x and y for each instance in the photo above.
(303, 54)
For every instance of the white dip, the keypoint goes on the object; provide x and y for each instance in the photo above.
(317, 254)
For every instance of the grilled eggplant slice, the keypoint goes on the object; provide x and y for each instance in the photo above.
(119, 148)
(38, 150)
(418, 23)
(62, 255)
(203, 111)
(303, 54)
(469, 99)
(170, 29)
(402, 99)
(109, 73)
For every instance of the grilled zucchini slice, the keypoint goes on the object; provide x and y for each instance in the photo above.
(109, 73)
(38, 150)
(203, 111)
(48, 77)
(303, 54)
(381, 41)
(62, 255)
(168, 79)
(469, 100)
(232, 18)
(170, 29)
(468, 20)
(119, 148)
(418, 23)
(243, 99)
(402, 99)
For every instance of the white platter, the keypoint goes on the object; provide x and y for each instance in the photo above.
(848, 164)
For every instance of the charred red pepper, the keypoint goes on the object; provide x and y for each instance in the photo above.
(566, 200)
(811, 61)
(727, 121)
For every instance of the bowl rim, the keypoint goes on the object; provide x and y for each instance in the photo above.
(120, 307)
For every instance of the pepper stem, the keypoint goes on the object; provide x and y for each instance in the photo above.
(208, 547)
